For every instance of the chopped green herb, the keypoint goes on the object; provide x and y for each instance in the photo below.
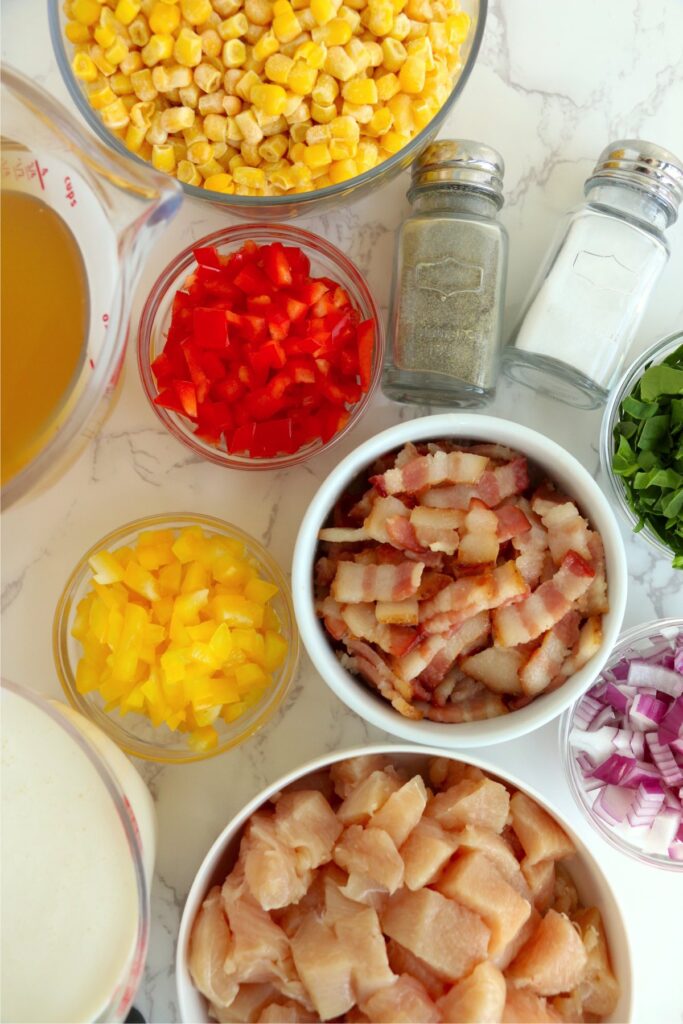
(648, 451)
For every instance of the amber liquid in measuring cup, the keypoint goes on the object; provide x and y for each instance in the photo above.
(44, 324)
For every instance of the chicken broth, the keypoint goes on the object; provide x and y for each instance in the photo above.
(44, 324)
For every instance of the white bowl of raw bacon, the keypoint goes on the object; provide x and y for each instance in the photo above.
(459, 580)
(395, 883)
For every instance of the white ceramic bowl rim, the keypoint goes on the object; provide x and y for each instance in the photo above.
(566, 470)
(189, 999)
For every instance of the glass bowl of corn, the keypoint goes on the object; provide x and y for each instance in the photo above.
(270, 108)
(175, 634)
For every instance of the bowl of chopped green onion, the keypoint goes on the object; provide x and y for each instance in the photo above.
(641, 446)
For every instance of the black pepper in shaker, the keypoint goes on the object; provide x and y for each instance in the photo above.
(449, 279)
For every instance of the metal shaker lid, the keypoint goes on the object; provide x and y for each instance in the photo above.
(463, 163)
(642, 165)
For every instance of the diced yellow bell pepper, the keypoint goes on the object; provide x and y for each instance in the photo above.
(87, 676)
(113, 596)
(141, 582)
(153, 556)
(170, 578)
(187, 606)
(271, 619)
(151, 538)
(79, 629)
(98, 620)
(260, 591)
(203, 632)
(127, 651)
(231, 570)
(253, 696)
(114, 627)
(107, 569)
(204, 738)
(276, 650)
(221, 642)
(251, 642)
(196, 577)
(237, 611)
(249, 676)
(188, 546)
(124, 555)
(162, 610)
(233, 711)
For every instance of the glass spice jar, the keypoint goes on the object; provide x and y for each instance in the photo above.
(590, 294)
(449, 279)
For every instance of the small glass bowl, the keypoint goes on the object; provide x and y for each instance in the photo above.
(326, 261)
(622, 389)
(134, 733)
(640, 642)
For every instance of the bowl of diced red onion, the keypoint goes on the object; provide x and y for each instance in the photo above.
(623, 746)
(459, 580)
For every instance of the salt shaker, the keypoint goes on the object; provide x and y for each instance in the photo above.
(449, 279)
(590, 294)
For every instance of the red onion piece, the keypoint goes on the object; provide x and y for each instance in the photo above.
(613, 803)
(643, 673)
(646, 712)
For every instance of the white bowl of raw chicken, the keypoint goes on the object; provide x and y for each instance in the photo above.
(591, 884)
(564, 471)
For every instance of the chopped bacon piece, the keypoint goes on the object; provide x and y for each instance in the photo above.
(479, 542)
(494, 486)
(382, 510)
(546, 498)
(429, 471)
(512, 522)
(373, 668)
(329, 611)
(497, 668)
(473, 709)
(361, 621)
(417, 660)
(431, 583)
(363, 506)
(382, 554)
(342, 535)
(398, 613)
(437, 528)
(531, 546)
(519, 623)
(547, 660)
(470, 635)
(402, 535)
(588, 644)
(503, 585)
(567, 530)
(594, 601)
(355, 583)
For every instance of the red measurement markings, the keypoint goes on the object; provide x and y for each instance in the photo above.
(70, 194)
(40, 174)
(92, 363)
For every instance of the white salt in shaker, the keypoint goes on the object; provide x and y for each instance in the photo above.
(589, 297)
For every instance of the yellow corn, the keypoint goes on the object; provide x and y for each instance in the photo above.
(367, 155)
(143, 85)
(411, 77)
(325, 90)
(188, 173)
(271, 99)
(265, 47)
(286, 26)
(394, 54)
(301, 78)
(234, 27)
(85, 12)
(200, 152)
(378, 17)
(166, 78)
(323, 11)
(139, 33)
(101, 96)
(163, 158)
(84, 68)
(105, 35)
(278, 67)
(126, 10)
(350, 16)
(360, 90)
(252, 177)
(317, 156)
(322, 113)
(249, 127)
(189, 95)
(457, 28)
(335, 33)
(76, 32)
(187, 48)
(207, 77)
(401, 28)
(341, 170)
(175, 119)
(381, 121)
(141, 114)
(132, 62)
(134, 137)
(121, 85)
(393, 141)
(115, 115)
(159, 47)
(387, 86)
(99, 59)
(273, 149)
(164, 18)
(339, 64)
(234, 53)
(196, 12)
(314, 54)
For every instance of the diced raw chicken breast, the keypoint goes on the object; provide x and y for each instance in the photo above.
(247, 1004)
(599, 989)
(402, 961)
(355, 1016)
(553, 960)
(493, 846)
(324, 968)
(286, 1013)
(273, 876)
(503, 959)
(477, 999)
(569, 1008)
(450, 938)
(305, 821)
(361, 940)
(424, 853)
(475, 882)
(335, 904)
(348, 774)
(541, 881)
(372, 854)
(444, 772)
(539, 834)
(402, 811)
(483, 803)
(523, 1007)
(289, 918)
(404, 1002)
(210, 943)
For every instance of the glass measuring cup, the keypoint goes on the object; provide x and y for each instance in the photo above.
(112, 209)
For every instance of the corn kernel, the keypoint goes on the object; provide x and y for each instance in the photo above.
(335, 33)
(341, 170)
(200, 152)
(286, 26)
(381, 121)
(187, 48)
(126, 10)
(325, 90)
(207, 77)
(143, 85)
(175, 119)
(402, 27)
(101, 96)
(411, 77)
(367, 155)
(302, 78)
(314, 54)
(387, 86)
(339, 64)
(141, 114)
(234, 53)
(139, 33)
(323, 11)
(457, 27)
(273, 149)
(85, 12)
(394, 53)
(188, 173)
(360, 90)
(100, 61)
(196, 12)
(105, 35)
(116, 52)
(379, 17)
(115, 115)
(159, 47)
(122, 85)
(234, 27)
(317, 156)
(393, 141)
(76, 32)
(271, 99)
(350, 16)
(323, 114)
(84, 68)
(278, 67)
(248, 126)
(345, 127)
(163, 158)
(265, 47)
(251, 177)
(134, 137)
(401, 107)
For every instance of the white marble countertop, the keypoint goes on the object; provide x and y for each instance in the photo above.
(555, 81)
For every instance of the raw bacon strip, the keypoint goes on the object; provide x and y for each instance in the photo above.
(479, 542)
(362, 623)
(567, 531)
(329, 611)
(519, 623)
(355, 583)
(512, 522)
(342, 535)
(497, 668)
(473, 709)
(398, 613)
(401, 533)
(494, 486)
(531, 546)
(505, 584)
(430, 471)
(467, 637)
(375, 670)
(547, 660)
(437, 528)
(382, 510)
(594, 601)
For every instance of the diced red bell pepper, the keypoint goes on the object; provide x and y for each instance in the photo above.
(302, 370)
(194, 364)
(242, 439)
(276, 265)
(229, 390)
(331, 422)
(299, 264)
(294, 308)
(366, 347)
(210, 327)
(252, 281)
(311, 292)
(213, 420)
(274, 437)
(262, 406)
(162, 368)
(270, 356)
(169, 399)
(188, 397)
(207, 256)
(278, 326)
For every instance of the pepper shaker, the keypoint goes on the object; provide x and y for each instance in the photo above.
(449, 279)
(590, 294)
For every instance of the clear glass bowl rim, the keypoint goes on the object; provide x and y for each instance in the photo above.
(121, 1003)
(305, 200)
(655, 353)
(106, 722)
(233, 236)
(625, 642)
